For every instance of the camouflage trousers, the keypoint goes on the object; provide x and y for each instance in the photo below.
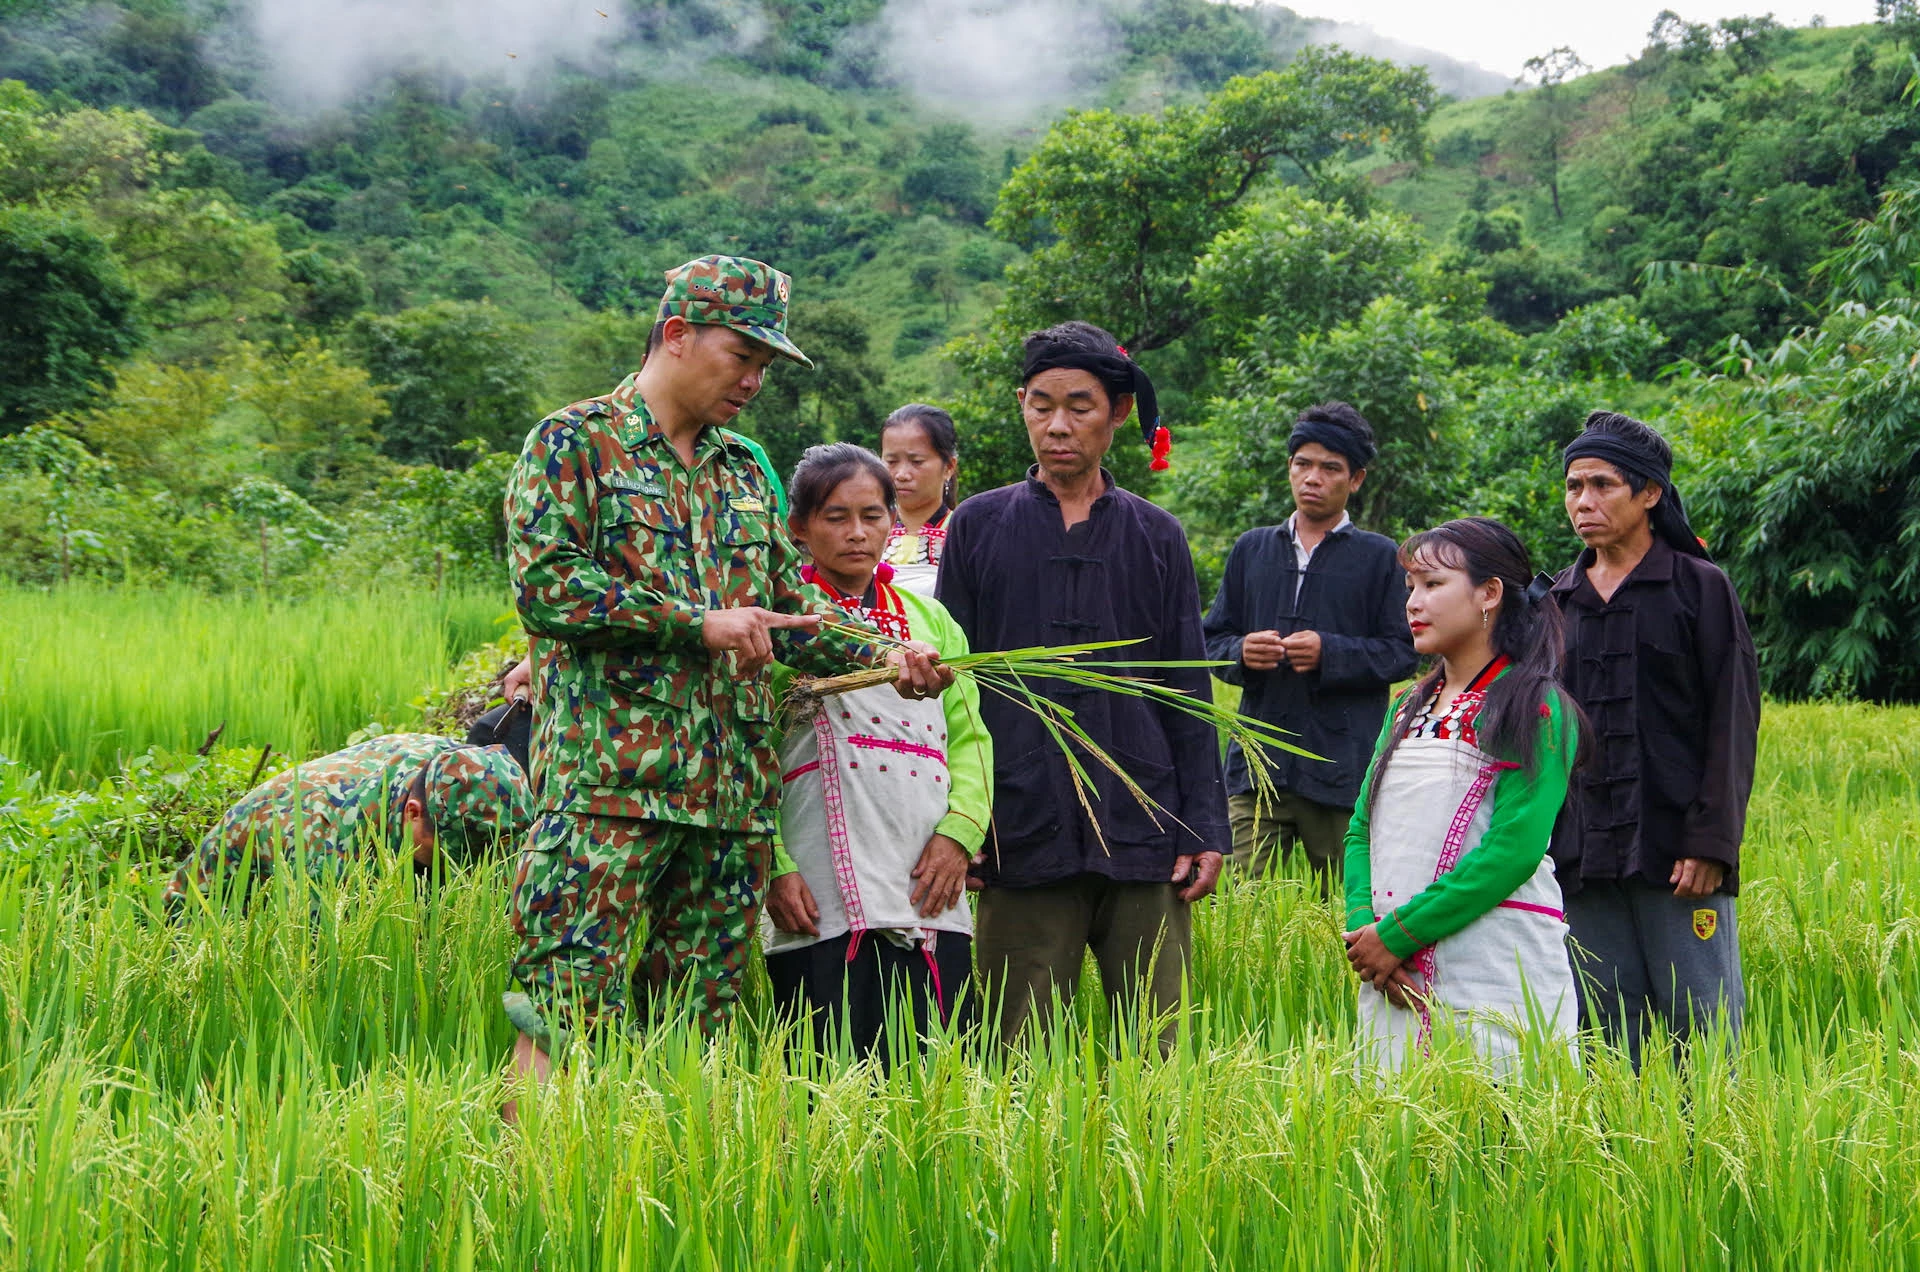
(583, 884)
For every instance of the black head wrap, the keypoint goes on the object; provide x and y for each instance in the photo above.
(1637, 458)
(1069, 346)
(1335, 437)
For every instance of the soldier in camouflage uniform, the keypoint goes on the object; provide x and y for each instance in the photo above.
(405, 792)
(656, 582)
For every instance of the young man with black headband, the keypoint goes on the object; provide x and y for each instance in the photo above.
(1312, 616)
(1659, 657)
(1067, 557)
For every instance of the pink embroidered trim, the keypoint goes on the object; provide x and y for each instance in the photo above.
(933, 970)
(837, 839)
(1449, 858)
(1531, 908)
(867, 741)
(801, 771)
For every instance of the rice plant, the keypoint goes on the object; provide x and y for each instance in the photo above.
(253, 1091)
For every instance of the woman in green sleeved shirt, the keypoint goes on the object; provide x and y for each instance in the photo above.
(1453, 913)
(884, 799)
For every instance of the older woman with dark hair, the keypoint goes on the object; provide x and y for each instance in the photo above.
(884, 801)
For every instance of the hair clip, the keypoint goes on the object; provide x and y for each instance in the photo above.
(1538, 589)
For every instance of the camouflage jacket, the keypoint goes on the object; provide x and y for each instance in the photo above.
(334, 809)
(618, 550)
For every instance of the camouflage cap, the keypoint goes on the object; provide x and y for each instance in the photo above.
(732, 291)
(477, 796)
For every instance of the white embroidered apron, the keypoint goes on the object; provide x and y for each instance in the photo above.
(865, 786)
(1504, 975)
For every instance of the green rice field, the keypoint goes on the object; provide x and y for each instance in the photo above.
(255, 1093)
(90, 677)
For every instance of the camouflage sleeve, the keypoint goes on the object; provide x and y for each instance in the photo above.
(828, 653)
(561, 588)
(235, 856)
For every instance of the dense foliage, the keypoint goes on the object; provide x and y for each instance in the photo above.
(252, 344)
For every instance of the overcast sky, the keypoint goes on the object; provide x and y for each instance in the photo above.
(1501, 35)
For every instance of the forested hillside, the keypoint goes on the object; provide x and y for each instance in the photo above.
(278, 312)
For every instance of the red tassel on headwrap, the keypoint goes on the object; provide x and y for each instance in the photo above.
(1162, 447)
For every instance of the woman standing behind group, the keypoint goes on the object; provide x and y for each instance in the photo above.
(1454, 913)
(922, 454)
(885, 800)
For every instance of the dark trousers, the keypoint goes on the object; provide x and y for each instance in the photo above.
(885, 991)
(1033, 942)
(1265, 836)
(1642, 954)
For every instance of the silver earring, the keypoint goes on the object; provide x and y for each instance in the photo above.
(1486, 619)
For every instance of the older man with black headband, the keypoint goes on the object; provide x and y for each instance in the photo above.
(1311, 618)
(1659, 657)
(1067, 557)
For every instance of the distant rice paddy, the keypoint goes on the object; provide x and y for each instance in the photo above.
(90, 677)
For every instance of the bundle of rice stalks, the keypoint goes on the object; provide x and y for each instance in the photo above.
(1007, 673)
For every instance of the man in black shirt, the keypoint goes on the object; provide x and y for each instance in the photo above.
(1312, 614)
(1658, 656)
(1066, 557)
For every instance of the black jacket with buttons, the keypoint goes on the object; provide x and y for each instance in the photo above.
(1354, 594)
(1666, 673)
(1013, 576)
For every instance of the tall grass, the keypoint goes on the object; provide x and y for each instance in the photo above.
(90, 676)
(250, 1092)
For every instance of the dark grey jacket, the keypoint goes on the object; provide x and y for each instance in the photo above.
(1355, 595)
(1014, 576)
(1666, 673)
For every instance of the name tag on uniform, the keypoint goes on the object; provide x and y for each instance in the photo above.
(648, 485)
(748, 503)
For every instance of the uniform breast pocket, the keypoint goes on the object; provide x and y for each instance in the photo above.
(640, 536)
(743, 544)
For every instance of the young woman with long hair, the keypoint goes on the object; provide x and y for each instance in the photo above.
(1453, 912)
(922, 453)
(885, 800)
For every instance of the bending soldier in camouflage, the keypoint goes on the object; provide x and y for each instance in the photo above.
(405, 792)
(656, 582)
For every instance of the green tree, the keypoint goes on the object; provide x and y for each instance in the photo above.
(69, 315)
(156, 426)
(1296, 264)
(326, 289)
(451, 371)
(1807, 476)
(318, 415)
(950, 174)
(207, 273)
(599, 351)
(1115, 208)
(1542, 129)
